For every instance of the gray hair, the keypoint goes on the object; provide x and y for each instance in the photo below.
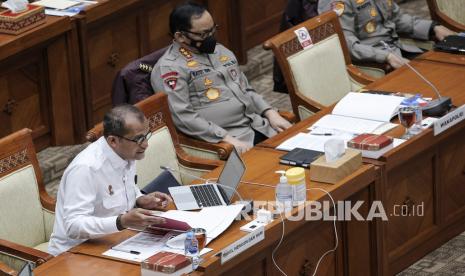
(114, 121)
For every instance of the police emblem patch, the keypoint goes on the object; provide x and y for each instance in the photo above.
(171, 82)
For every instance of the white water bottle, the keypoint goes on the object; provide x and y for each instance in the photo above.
(191, 249)
(283, 194)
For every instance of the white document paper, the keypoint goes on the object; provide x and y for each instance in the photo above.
(56, 4)
(312, 142)
(214, 219)
(368, 106)
(347, 124)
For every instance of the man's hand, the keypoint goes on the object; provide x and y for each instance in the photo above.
(240, 146)
(395, 61)
(138, 217)
(155, 200)
(441, 32)
(276, 121)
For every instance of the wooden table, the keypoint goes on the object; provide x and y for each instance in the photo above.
(427, 169)
(304, 243)
(443, 57)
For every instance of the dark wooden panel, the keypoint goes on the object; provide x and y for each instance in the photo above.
(452, 173)
(409, 187)
(24, 96)
(261, 20)
(111, 46)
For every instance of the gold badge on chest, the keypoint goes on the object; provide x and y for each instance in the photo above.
(224, 58)
(389, 2)
(373, 12)
(212, 93)
(192, 63)
(359, 1)
(208, 82)
(370, 27)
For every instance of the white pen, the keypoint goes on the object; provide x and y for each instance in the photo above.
(126, 250)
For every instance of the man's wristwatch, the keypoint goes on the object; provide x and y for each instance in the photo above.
(431, 32)
(118, 223)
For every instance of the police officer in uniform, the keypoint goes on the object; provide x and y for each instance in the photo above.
(371, 26)
(209, 97)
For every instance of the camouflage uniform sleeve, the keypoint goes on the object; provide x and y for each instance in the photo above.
(173, 81)
(411, 25)
(358, 50)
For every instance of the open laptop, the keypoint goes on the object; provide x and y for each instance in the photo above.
(192, 197)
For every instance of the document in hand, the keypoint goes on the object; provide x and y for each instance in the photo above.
(361, 113)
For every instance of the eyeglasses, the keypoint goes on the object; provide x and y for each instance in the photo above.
(204, 34)
(138, 139)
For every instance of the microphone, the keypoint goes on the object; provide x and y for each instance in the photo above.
(434, 108)
(207, 181)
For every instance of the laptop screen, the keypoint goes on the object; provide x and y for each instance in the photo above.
(231, 175)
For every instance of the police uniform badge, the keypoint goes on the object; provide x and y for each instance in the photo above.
(389, 2)
(224, 58)
(192, 63)
(338, 7)
(233, 73)
(170, 79)
(373, 12)
(208, 82)
(186, 53)
(359, 1)
(212, 93)
(370, 26)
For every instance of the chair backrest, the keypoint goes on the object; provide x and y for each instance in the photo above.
(20, 191)
(450, 13)
(132, 83)
(163, 145)
(317, 74)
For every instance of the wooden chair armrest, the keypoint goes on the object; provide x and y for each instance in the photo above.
(47, 201)
(196, 162)
(6, 270)
(267, 45)
(358, 75)
(223, 149)
(24, 252)
(289, 116)
(448, 22)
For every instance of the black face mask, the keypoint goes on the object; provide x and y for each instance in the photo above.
(207, 46)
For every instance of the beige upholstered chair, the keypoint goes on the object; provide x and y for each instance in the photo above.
(6, 270)
(321, 75)
(164, 148)
(450, 13)
(26, 210)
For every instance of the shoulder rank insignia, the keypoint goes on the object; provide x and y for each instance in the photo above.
(192, 63)
(145, 67)
(212, 94)
(370, 26)
(208, 82)
(338, 7)
(186, 53)
(359, 1)
(224, 58)
(373, 12)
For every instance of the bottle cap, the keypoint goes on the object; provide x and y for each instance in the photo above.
(295, 175)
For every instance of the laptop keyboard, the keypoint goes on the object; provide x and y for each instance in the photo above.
(205, 195)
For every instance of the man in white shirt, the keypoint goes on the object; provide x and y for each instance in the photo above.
(98, 194)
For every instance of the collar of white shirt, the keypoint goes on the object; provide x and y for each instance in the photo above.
(116, 161)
